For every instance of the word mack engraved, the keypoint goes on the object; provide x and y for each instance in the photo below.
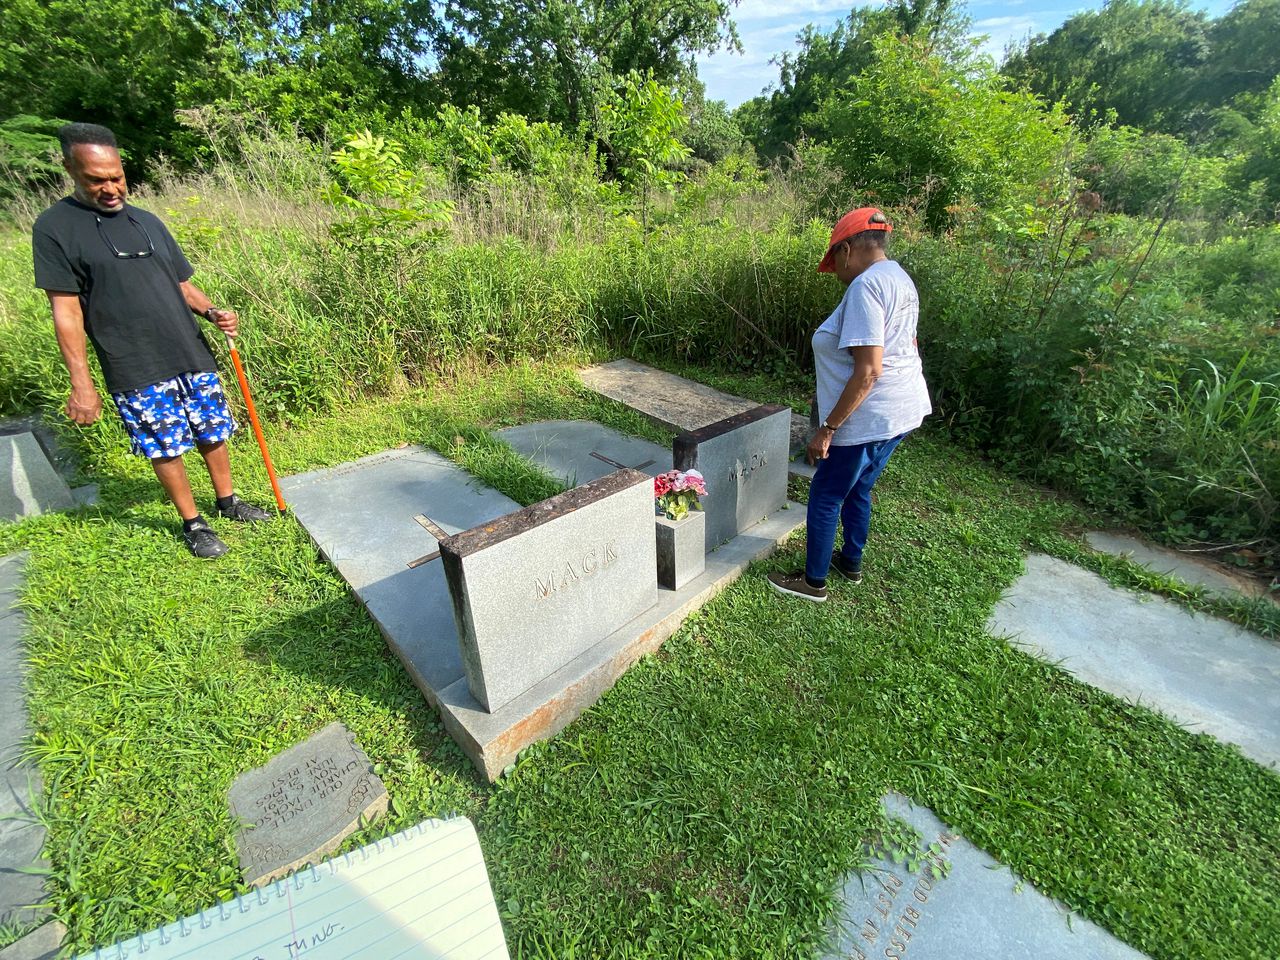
(592, 562)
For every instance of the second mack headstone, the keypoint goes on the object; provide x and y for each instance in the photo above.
(744, 461)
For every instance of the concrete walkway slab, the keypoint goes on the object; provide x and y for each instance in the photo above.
(1158, 559)
(1205, 673)
(579, 451)
(977, 908)
(21, 835)
(43, 943)
(29, 486)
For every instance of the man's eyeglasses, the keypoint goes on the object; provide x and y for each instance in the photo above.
(122, 254)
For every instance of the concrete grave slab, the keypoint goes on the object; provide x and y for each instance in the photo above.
(977, 908)
(361, 516)
(21, 835)
(303, 803)
(668, 400)
(744, 461)
(534, 589)
(1205, 673)
(29, 486)
(1162, 560)
(43, 943)
(579, 451)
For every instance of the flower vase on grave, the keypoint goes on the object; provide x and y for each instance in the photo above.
(682, 551)
(681, 526)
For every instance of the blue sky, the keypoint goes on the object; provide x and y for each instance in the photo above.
(768, 27)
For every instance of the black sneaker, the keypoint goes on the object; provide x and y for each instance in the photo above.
(846, 569)
(203, 542)
(243, 512)
(795, 585)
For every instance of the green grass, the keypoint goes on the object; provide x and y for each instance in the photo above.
(708, 804)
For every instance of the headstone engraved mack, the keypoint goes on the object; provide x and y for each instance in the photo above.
(744, 461)
(303, 803)
(534, 589)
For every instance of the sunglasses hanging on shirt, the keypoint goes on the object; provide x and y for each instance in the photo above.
(124, 254)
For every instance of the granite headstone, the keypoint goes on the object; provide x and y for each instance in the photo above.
(536, 588)
(744, 461)
(29, 486)
(949, 900)
(302, 804)
(668, 400)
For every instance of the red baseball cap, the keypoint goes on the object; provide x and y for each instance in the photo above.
(853, 222)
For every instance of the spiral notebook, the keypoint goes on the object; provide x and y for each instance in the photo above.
(422, 893)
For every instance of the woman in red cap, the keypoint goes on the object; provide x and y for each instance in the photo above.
(871, 394)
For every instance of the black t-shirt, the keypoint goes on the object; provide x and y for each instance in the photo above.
(134, 312)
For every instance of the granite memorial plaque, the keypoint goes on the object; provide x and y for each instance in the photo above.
(303, 803)
(956, 903)
(536, 588)
(744, 461)
(29, 486)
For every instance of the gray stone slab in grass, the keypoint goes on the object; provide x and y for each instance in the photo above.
(534, 589)
(303, 803)
(665, 398)
(21, 835)
(579, 451)
(977, 908)
(29, 486)
(361, 516)
(744, 461)
(42, 943)
(1162, 560)
(1205, 673)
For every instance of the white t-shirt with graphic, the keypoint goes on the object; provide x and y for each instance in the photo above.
(880, 309)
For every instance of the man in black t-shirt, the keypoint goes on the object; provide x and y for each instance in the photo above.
(114, 272)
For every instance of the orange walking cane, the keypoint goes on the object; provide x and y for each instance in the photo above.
(253, 419)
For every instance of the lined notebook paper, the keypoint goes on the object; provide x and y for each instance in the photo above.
(423, 893)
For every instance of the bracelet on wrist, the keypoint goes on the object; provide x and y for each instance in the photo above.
(210, 313)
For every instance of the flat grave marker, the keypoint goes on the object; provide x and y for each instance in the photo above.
(579, 451)
(1200, 671)
(744, 461)
(534, 589)
(1172, 563)
(29, 486)
(303, 803)
(976, 908)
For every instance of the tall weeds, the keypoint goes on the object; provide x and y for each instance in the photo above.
(1154, 397)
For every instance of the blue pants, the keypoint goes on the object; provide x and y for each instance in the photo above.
(841, 490)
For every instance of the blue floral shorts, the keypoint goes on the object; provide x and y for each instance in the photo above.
(169, 418)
